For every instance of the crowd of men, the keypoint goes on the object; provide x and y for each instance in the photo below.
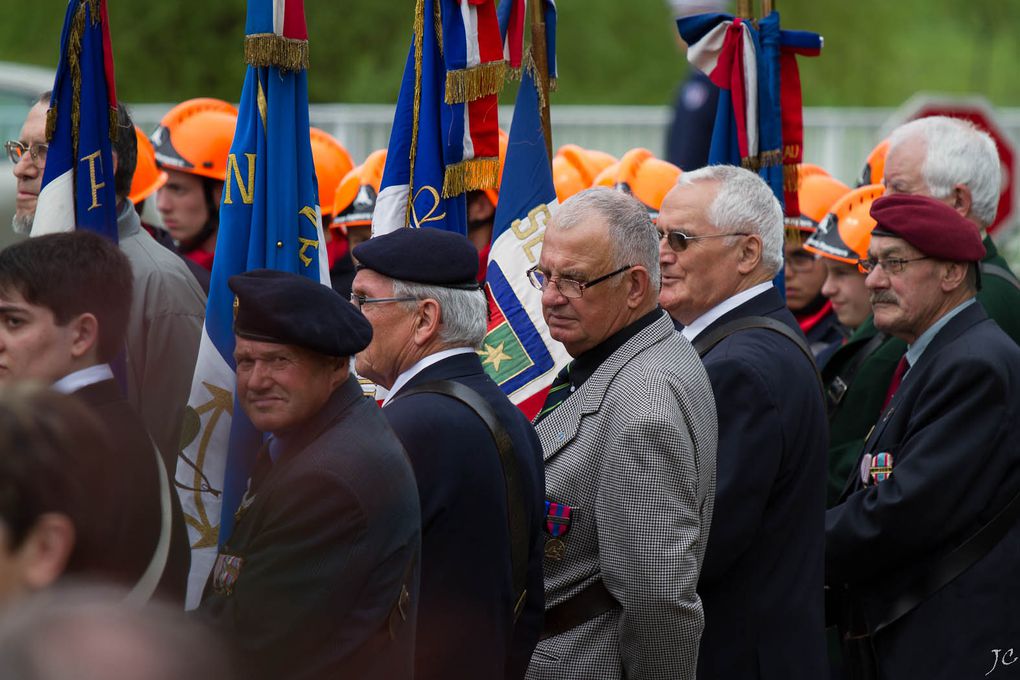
(733, 477)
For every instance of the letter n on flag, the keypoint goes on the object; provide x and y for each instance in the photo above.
(269, 218)
(77, 187)
(518, 352)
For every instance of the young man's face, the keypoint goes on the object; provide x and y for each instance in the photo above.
(181, 204)
(33, 346)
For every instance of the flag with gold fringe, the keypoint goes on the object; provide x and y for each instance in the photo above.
(81, 124)
(445, 136)
(269, 218)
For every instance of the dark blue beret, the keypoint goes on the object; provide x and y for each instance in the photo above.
(432, 257)
(275, 306)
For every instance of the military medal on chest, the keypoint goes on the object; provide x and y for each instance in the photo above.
(557, 524)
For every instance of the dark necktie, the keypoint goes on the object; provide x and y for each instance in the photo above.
(897, 378)
(558, 392)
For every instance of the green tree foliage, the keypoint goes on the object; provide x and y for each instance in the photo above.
(877, 52)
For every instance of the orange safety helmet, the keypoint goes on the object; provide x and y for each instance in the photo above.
(195, 137)
(845, 233)
(805, 170)
(147, 178)
(874, 166)
(332, 162)
(575, 168)
(354, 200)
(816, 192)
(493, 194)
(643, 176)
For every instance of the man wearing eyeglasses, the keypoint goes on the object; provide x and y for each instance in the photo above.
(629, 437)
(925, 545)
(721, 233)
(476, 458)
(28, 154)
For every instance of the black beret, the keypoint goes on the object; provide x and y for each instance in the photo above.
(432, 257)
(929, 225)
(280, 307)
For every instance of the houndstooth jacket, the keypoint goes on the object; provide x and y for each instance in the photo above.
(632, 451)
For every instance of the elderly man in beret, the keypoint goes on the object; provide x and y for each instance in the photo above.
(476, 457)
(924, 549)
(319, 578)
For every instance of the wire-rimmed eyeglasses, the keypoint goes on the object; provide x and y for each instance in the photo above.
(568, 288)
(36, 151)
(679, 241)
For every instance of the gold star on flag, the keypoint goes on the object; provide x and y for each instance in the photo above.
(493, 355)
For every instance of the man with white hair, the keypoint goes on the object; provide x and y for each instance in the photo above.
(721, 243)
(476, 458)
(953, 161)
(629, 436)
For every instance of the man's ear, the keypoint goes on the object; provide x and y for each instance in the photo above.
(43, 555)
(427, 324)
(963, 201)
(954, 275)
(640, 281)
(749, 252)
(84, 335)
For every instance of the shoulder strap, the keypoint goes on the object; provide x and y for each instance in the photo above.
(953, 564)
(989, 269)
(706, 341)
(840, 383)
(516, 514)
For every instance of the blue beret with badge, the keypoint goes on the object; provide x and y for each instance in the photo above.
(280, 307)
(432, 257)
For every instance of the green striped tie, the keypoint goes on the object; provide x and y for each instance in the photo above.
(558, 392)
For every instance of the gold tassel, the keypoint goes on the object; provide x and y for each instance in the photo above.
(469, 175)
(269, 49)
(770, 159)
(74, 39)
(514, 73)
(94, 12)
(51, 123)
(437, 19)
(114, 127)
(528, 64)
(750, 163)
(791, 177)
(553, 84)
(469, 84)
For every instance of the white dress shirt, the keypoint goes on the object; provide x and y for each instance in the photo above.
(420, 366)
(72, 382)
(695, 328)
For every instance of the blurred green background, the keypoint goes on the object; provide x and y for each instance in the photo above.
(877, 52)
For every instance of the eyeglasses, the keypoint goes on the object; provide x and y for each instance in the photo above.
(37, 152)
(679, 241)
(801, 260)
(891, 265)
(568, 288)
(360, 301)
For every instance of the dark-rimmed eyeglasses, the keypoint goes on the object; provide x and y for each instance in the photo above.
(891, 265)
(679, 241)
(360, 301)
(568, 288)
(37, 152)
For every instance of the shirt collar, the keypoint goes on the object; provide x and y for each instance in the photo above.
(72, 382)
(128, 222)
(696, 327)
(420, 366)
(915, 350)
(586, 364)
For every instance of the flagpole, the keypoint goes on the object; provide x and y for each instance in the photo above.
(766, 7)
(744, 9)
(541, 57)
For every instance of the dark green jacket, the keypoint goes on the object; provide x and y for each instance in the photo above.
(859, 409)
(1000, 297)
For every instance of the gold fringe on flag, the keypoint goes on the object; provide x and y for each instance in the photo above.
(791, 177)
(74, 39)
(51, 123)
(269, 49)
(469, 175)
(468, 84)
(437, 19)
(419, 36)
(114, 124)
(770, 159)
(528, 64)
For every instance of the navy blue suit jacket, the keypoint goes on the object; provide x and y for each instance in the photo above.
(465, 617)
(952, 431)
(761, 582)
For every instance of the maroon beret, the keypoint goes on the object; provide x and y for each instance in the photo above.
(929, 225)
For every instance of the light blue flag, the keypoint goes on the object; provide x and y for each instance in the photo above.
(269, 218)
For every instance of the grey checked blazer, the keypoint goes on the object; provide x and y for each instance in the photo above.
(633, 451)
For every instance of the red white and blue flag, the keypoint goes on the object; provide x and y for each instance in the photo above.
(445, 136)
(518, 352)
(77, 186)
(269, 218)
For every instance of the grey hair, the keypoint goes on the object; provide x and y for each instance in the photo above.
(464, 314)
(744, 203)
(957, 152)
(631, 232)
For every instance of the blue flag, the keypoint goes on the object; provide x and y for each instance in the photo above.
(269, 217)
(78, 187)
